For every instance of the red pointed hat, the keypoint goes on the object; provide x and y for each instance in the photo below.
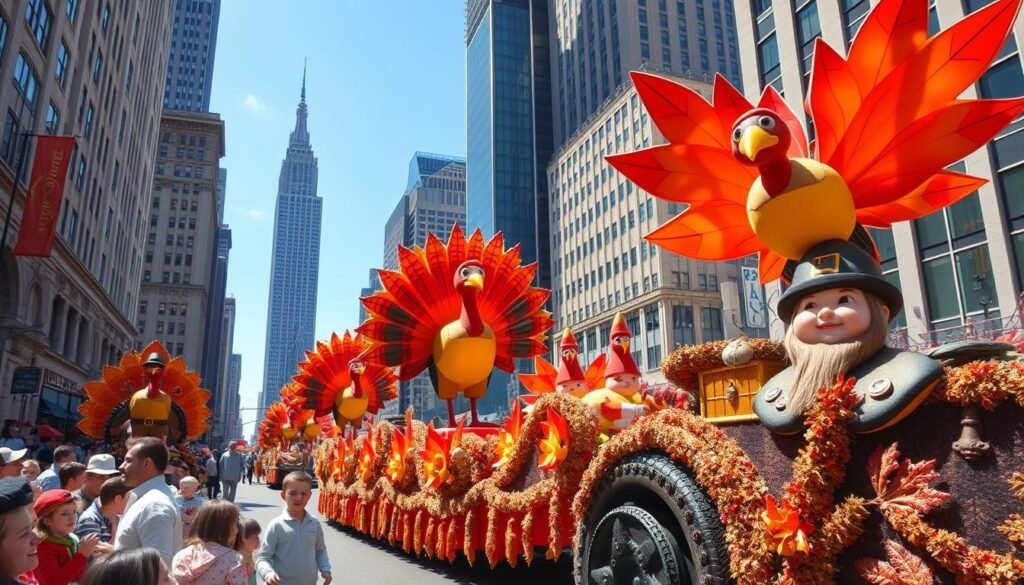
(569, 370)
(620, 361)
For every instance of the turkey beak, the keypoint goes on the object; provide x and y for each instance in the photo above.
(754, 140)
(476, 281)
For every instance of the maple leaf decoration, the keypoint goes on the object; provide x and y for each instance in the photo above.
(903, 485)
(366, 458)
(340, 455)
(508, 436)
(554, 447)
(903, 568)
(787, 534)
(437, 456)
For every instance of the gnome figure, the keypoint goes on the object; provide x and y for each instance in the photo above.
(150, 407)
(838, 309)
(570, 379)
(619, 402)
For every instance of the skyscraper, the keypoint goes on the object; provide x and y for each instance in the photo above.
(434, 200)
(509, 137)
(190, 60)
(291, 310)
(597, 44)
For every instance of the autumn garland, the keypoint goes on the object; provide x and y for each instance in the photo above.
(985, 383)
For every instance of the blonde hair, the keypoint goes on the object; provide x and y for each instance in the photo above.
(816, 365)
(33, 464)
(188, 480)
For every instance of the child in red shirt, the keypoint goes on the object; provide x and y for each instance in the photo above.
(62, 558)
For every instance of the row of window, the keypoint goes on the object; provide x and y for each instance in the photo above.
(169, 277)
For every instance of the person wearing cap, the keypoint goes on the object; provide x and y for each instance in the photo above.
(10, 461)
(838, 308)
(100, 468)
(151, 517)
(150, 407)
(101, 516)
(18, 541)
(62, 556)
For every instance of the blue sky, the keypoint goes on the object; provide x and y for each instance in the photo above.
(384, 80)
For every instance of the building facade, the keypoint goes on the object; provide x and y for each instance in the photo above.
(177, 293)
(602, 264)
(434, 201)
(961, 267)
(94, 71)
(295, 264)
(190, 60)
(234, 387)
(598, 43)
(509, 138)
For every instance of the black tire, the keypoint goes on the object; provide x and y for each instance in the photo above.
(680, 510)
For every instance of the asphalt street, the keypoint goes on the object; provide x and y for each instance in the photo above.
(360, 560)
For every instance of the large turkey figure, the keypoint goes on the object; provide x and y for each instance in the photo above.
(888, 122)
(458, 310)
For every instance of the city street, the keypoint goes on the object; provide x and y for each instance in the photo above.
(360, 560)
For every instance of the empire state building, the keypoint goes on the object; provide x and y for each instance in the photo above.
(291, 311)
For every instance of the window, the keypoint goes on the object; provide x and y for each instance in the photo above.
(27, 81)
(1003, 80)
(682, 325)
(653, 333)
(62, 64)
(38, 17)
(128, 76)
(3, 35)
(854, 13)
(711, 324)
(105, 19)
(768, 55)
(71, 9)
(97, 66)
(52, 119)
(87, 128)
(80, 176)
(807, 30)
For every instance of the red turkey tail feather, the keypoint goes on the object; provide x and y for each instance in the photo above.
(939, 71)
(595, 372)
(942, 190)
(680, 113)
(890, 33)
(832, 98)
(712, 230)
(729, 103)
(687, 173)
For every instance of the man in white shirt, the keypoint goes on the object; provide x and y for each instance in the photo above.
(151, 518)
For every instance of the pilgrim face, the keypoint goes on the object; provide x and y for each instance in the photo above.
(835, 315)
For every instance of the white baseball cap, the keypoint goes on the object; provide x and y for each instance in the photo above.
(10, 455)
(102, 464)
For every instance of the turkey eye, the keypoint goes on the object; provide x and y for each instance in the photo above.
(737, 134)
(465, 273)
(766, 122)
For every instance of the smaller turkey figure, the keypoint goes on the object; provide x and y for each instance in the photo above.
(334, 379)
(569, 378)
(459, 311)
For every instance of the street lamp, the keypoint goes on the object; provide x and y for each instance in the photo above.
(981, 289)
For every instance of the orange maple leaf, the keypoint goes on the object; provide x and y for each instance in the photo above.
(366, 458)
(903, 484)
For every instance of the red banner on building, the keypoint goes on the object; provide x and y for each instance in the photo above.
(45, 193)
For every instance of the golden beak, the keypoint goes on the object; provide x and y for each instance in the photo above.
(476, 281)
(625, 344)
(754, 140)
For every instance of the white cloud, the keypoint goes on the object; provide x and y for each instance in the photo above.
(256, 214)
(254, 103)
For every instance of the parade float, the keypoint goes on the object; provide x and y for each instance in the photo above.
(825, 458)
(147, 394)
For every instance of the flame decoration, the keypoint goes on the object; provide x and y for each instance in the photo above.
(554, 447)
(401, 446)
(437, 456)
(508, 436)
(366, 457)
